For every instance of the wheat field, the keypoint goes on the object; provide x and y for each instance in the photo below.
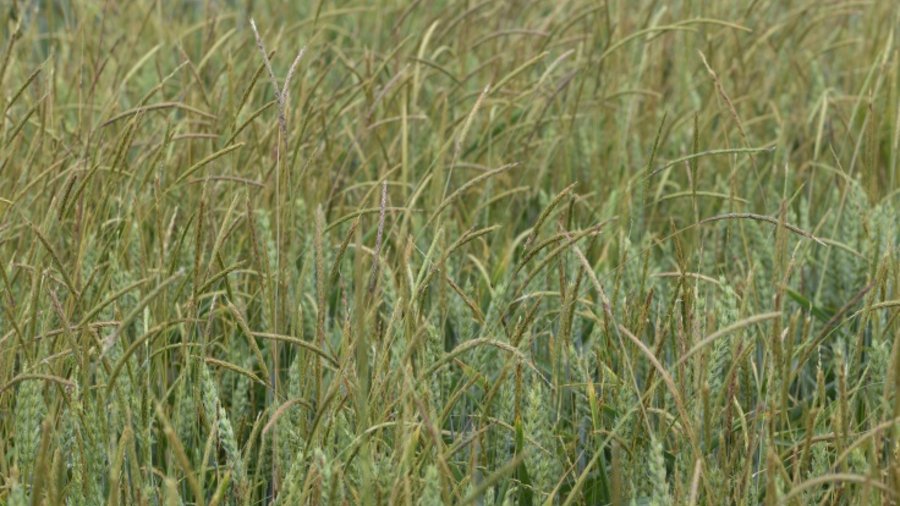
(574, 252)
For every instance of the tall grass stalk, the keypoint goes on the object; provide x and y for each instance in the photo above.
(449, 252)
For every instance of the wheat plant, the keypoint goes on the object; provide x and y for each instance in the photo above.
(569, 252)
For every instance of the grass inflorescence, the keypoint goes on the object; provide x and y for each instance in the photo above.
(449, 252)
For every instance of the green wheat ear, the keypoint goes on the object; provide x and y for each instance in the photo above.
(29, 413)
(330, 483)
(294, 481)
(660, 495)
(543, 464)
(431, 483)
(17, 494)
(218, 418)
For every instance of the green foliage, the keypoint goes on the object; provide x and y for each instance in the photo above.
(449, 252)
